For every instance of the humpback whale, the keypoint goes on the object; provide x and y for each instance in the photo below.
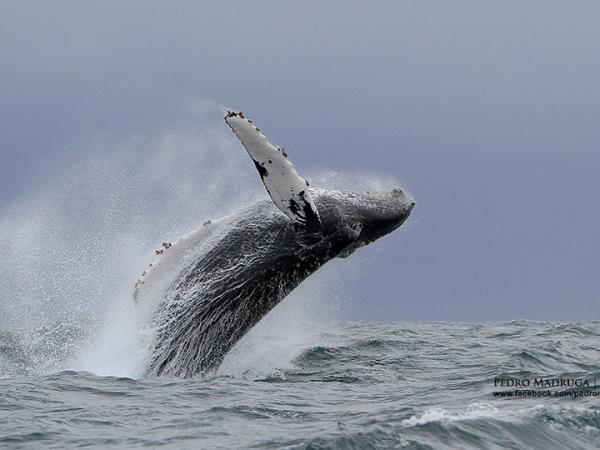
(217, 283)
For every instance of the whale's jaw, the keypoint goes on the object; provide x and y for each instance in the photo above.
(380, 213)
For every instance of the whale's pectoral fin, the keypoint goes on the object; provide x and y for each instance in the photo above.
(288, 190)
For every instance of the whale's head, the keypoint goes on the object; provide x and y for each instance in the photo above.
(361, 218)
(380, 213)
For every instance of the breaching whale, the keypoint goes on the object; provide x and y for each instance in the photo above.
(217, 283)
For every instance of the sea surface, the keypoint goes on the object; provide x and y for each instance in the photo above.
(405, 385)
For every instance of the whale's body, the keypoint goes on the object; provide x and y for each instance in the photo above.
(218, 294)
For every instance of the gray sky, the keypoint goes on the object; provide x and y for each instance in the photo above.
(488, 112)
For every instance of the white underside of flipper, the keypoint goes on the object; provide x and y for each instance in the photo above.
(171, 258)
(288, 190)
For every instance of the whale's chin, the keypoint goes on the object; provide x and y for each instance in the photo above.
(382, 227)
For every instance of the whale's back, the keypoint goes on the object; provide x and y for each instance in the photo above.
(224, 291)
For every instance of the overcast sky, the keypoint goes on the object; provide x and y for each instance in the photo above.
(488, 112)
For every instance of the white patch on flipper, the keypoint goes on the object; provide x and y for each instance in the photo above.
(162, 272)
(288, 190)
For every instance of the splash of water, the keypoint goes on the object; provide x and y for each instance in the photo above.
(75, 243)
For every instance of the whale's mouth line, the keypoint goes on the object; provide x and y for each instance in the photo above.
(383, 231)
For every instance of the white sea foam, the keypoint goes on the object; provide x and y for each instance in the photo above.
(472, 412)
(560, 414)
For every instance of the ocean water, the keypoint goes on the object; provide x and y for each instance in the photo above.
(352, 385)
(72, 342)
